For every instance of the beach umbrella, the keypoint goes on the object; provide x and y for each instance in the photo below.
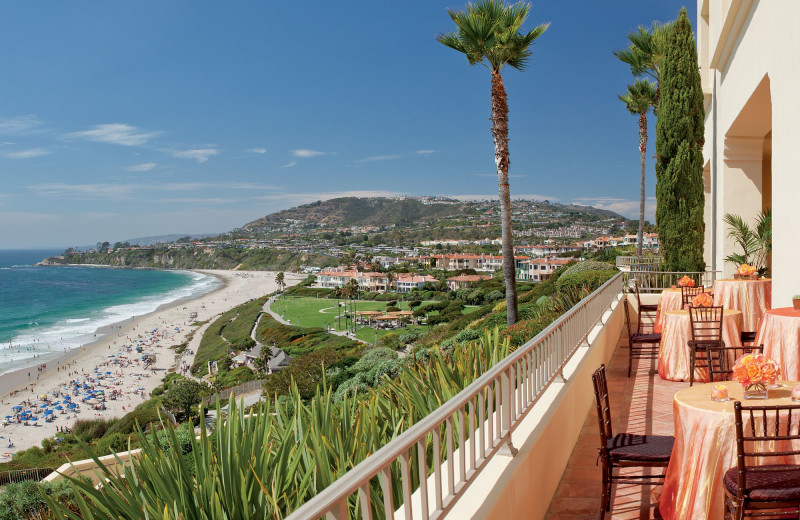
(34, 419)
(16, 407)
(59, 407)
(9, 416)
(107, 373)
(73, 405)
(48, 412)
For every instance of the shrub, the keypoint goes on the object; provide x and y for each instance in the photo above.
(111, 443)
(413, 304)
(494, 296)
(408, 337)
(589, 280)
(588, 265)
(24, 499)
(392, 308)
(372, 357)
(467, 335)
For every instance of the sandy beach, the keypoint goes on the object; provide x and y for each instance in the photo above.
(112, 364)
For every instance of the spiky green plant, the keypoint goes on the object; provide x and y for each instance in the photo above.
(267, 464)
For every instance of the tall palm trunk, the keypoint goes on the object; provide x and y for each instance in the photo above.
(500, 136)
(642, 149)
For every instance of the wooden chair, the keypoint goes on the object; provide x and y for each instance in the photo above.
(638, 342)
(722, 359)
(687, 293)
(625, 450)
(748, 338)
(644, 310)
(754, 490)
(706, 326)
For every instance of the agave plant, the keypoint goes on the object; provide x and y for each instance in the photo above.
(756, 243)
(266, 464)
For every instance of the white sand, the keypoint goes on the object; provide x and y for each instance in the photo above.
(173, 327)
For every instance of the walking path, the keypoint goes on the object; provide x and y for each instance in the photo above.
(279, 319)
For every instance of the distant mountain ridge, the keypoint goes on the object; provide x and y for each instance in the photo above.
(398, 211)
(373, 211)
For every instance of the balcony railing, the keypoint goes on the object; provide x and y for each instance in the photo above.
(656, 281)
(462, 436)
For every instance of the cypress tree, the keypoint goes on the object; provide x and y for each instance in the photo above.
(679, 153)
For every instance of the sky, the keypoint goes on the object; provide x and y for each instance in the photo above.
(127, 119)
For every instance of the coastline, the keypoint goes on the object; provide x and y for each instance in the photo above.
(170, 319)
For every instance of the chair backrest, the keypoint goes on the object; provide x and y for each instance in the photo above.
(687, 293)
(628, 318)
(706, 325)
(721, 360)
(634, 284)
(775, 428)
(603, 409)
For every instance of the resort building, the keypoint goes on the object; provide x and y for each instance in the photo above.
(750, 69)
(407, 282)
(367, 281)
(540, 269)
(465, 280)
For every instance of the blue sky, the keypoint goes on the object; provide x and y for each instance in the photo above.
(128, 119)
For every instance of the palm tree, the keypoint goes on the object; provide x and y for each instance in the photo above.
(645, 53)
(638, 100)
(489, 33)
(280, 280)
(756, 243)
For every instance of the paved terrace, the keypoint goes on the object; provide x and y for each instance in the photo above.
(641, 404)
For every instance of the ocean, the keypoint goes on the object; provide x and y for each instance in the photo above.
(45, 311)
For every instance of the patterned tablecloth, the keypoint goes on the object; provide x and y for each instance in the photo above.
(705, 448)
(674, 356)
(780, 334)
(752, 297)
(671, 300)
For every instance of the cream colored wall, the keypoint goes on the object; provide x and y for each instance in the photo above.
(762, 38)
(89, 468)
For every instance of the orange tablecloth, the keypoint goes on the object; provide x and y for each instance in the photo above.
(780, 334)
(674, 356)
(671, 300)
(705, 448)
(752, 297)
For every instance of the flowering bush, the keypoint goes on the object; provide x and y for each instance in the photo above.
(747, 270)
(756, 369)
(686, 282)
(703, 300)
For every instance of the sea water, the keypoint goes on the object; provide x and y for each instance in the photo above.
(48, 310)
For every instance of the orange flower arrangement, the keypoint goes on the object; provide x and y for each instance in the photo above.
(756, 369)
(703, 300)
(746, 270)
(685, 282)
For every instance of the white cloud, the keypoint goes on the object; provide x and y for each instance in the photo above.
(425, 152)
(100, 190)
(19, 125)
(198, 200)
(200, 155)
(144, 167)
(28, 154)
(290, 164)
(257, 150)
(304, 152)
(626, 207)
(377, 158)
(115, 133)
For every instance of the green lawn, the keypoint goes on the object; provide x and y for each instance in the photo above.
(317, 312)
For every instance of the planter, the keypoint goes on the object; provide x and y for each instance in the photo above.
(796, 304)
(738, 276)
(756, 391)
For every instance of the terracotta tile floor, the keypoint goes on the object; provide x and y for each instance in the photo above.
(641, 404)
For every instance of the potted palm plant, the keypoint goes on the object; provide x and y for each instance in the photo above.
(755, 242)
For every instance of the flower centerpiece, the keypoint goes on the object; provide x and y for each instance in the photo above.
(747, 272)
(686, 282)
(702, 300)
(756, 372)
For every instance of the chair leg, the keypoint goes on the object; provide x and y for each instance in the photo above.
(691, 367)
(605, 503)
(630, 358)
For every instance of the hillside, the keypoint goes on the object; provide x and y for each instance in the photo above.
(222, 258)
(354, 211)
